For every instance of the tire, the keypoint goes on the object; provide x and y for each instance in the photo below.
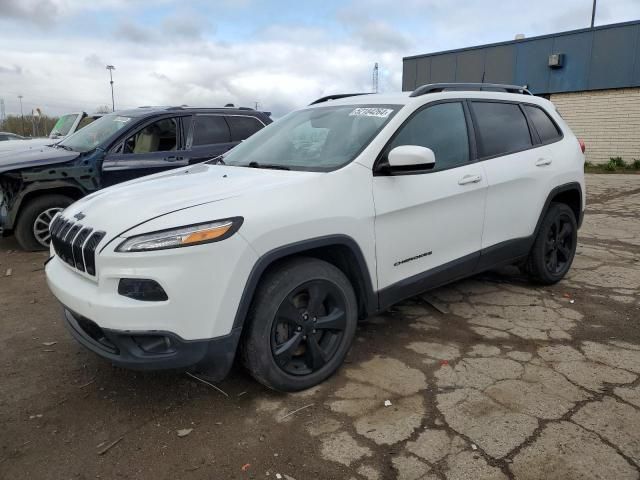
(34, 215)
(301, 305)
(552, 243)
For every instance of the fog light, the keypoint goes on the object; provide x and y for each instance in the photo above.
(142, 289)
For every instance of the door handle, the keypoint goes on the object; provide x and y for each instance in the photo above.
(469, 179)
(173, 159)
(542, 162)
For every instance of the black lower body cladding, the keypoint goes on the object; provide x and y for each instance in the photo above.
(155, 350)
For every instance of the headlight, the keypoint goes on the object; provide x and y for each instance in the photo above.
(182, 236)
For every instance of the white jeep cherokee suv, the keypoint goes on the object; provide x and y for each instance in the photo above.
(332, 213)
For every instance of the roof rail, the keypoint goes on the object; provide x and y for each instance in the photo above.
(490, 87)
(337, 96)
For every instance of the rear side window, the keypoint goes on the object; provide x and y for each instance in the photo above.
(546, 128)
(443, 129)
(502, 128)
(243, 127)
(210, 129)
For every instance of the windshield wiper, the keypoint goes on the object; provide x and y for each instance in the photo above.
(65, 147)
(267, 165)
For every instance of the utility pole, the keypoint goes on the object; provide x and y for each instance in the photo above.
(21, 115)
(111, 68)
(593, 13)
(374, 79)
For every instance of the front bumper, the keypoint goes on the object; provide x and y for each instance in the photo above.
(155, 350)
(203, 285)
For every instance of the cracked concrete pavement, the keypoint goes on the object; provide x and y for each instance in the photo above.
(488, 378)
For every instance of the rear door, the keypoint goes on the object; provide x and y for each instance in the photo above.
(209, 137)
(155, 147)
(518, 167)
(429, 223)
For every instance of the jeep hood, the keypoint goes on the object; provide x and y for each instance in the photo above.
(121, 207)
(35, 157)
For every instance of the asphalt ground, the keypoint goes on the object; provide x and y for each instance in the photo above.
(487, 378)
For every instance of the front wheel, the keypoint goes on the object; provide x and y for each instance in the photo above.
(32, 228)
(300, 325)
(555, 245)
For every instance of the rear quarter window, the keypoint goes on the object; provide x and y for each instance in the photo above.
(546, 128)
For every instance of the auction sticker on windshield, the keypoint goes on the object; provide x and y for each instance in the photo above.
(371, 112)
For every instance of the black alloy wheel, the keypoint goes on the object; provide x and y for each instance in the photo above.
(309, 327)
(559, 246)
(554, 247)
(300, 325)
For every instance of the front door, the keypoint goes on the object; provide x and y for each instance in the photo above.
(429, 223)
(156, 147)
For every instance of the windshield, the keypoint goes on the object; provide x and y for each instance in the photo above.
(95, 133)
(316, 139)
(63, 125)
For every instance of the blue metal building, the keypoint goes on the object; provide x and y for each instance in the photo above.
(592, 74)
(589, 59)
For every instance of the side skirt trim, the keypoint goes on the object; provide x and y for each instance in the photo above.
(504, 253)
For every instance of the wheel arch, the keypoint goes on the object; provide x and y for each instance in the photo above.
(57, 188)
(340, 250)
(571, 195)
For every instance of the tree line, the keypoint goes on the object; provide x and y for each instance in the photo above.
(32, 126)
(36, 125)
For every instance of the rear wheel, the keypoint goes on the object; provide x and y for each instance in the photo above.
(555, 245)
(32, 228)
(300, 325)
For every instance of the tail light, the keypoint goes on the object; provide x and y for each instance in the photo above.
(583, 147)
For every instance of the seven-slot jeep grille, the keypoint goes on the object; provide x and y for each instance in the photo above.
(75, 244)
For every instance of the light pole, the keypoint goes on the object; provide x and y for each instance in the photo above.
(21, 115)
(111, 68)
(593, 13)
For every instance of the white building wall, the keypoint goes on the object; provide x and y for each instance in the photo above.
(607, 120)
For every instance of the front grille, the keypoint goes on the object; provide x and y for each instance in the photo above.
(75, 244)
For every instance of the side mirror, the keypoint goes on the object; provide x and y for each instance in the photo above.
(411, 156)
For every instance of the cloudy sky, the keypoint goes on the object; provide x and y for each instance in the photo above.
(280, 53)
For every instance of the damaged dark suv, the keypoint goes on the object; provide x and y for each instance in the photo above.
(38, 183)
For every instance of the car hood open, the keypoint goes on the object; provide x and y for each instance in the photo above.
(122, 207)
(35, 157)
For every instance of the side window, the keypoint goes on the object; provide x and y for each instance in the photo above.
(160, 136)
(210, 129)
(502, 128)
(443, 129)
(243, 127)
(546, 128)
